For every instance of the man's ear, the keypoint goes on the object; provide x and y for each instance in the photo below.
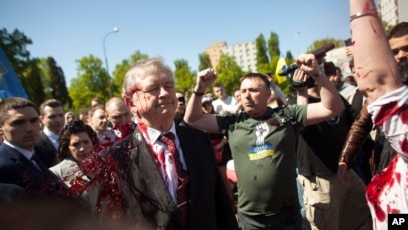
(2, 133)
(41, 118)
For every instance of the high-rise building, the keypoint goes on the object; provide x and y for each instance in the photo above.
(215, 51)
(393, 11)
(244, 54)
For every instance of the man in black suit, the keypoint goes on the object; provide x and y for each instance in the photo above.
(53, 121)
(20, 125)
(151, 189)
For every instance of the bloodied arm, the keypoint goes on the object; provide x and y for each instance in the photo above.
(376, 69)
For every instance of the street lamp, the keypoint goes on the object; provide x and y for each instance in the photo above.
(297, 42)
(115, 29)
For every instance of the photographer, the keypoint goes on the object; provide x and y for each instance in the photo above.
(328, 204)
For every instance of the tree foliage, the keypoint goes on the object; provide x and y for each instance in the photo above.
(387, 27)
(57, 80)
(262, 59)
(15, 47)
(204, 61)
(184, 76)
(121, 69)
(91, 82)
(273, 51)
(45, 77)
(229, 73)
(289, 58)
(32, 77)
(273, 45)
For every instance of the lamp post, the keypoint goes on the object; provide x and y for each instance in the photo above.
(297, 42)
(114, 30)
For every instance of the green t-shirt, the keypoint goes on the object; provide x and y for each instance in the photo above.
(265, 160)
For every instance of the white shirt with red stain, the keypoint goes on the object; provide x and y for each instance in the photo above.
(387, 193)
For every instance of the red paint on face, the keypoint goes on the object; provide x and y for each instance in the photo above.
(366, 74)
(353, 42)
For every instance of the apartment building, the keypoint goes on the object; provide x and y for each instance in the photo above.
(244, 53)
(393, 11)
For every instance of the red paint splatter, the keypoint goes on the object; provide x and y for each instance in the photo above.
(353, 42)
(404, 146)
(386, 111)
(377, 186)
(372, 27)
(392, 211)
(366, 74)
(366, 7)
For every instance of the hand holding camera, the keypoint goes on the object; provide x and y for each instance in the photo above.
(310, 66)
(299, 81)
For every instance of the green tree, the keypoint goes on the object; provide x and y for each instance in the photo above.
(273, 51)
(14, 46)
(184, 76)
(32, 77)
(229, 73)
(57, 80)
(387, 27)
(121, 69)
(262, 60)
(91, 82)
(45, 77)
(289, 58)
(205, 61)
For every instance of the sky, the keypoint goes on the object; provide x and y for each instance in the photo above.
(178, 29)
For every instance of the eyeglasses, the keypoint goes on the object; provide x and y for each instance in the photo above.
(181, 99)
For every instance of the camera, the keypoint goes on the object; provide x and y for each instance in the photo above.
(288, 71)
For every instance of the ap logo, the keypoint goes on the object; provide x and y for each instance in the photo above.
(397, 221)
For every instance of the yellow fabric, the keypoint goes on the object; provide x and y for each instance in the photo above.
(281, 64)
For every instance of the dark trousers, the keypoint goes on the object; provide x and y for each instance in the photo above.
(288, 220)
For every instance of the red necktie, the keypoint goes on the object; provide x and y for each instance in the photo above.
(182, 179)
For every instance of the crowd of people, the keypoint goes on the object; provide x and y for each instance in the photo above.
(159, 158)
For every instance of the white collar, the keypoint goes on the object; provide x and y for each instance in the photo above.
(50, 134)
(26, 153)
(154, 134)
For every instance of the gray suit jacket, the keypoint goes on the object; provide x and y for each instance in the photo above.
(147, 200)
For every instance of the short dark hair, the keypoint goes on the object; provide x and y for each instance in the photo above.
(53, 103)
(74, 127)
(10, 104)
(257, 75)
(218, 85)
(399, 30)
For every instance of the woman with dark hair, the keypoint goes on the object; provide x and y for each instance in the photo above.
(77, 142)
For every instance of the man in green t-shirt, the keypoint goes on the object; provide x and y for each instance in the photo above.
(263, 143)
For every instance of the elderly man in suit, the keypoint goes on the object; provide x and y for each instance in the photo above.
(52, 117)
(168, 177)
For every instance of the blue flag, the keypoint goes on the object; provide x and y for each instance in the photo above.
(10, 85)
